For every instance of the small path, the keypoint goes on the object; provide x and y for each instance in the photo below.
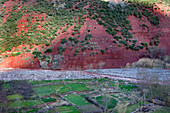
(135, 75)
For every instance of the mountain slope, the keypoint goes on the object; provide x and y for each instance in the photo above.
(79, 34)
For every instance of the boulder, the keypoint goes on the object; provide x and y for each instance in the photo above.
(166, 58)
(44, 64)
(168, 65)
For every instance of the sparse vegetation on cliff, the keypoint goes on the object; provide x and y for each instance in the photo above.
(41, 25)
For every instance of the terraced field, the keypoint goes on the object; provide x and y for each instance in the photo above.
(75, 96)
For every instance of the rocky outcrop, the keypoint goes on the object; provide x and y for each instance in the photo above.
(44, 65)
(55, 64)
(57, 61)
(166, 58)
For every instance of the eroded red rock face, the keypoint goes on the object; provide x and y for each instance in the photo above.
(114, 57)
(22, 61)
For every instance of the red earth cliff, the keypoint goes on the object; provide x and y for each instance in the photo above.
(114, 57)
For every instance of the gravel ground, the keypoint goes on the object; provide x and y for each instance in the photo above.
(136, 73)
(131, 74)
(25, 74)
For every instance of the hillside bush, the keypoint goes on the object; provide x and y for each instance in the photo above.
(88, 37)
(16, 54)
(37, 54)
(61, 50)
(63, 41)
(154, 20)
(49, 50)
(102, 51)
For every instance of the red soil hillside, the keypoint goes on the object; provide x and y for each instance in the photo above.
(114, 56)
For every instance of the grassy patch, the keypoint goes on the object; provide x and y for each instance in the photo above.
(133, 107)
(78, 87)
(77, 100)
(36, 82)
(43, 82)
(49, 99)
(25, 103)
(15, 96)
(29, 110)
(64, 89)
(110, 102)
(46, 90)
(127, 87)
(67, 109)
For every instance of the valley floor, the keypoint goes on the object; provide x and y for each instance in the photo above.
(94, 90)
(161, 76)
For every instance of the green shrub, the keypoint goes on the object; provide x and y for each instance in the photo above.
(37, 54)
(114, 41)
(63, 41)
(47, 43)
(94, 17)
(82, 41)
(76, 27)
(117, 37)
(75, 54)
(127, 47)
(49, 99)
(27, 50)
(144, 25)
(136, 49)
(140, 47)
(77, 50)
(76, 41)
(123, 42)
(120, 45)
(154, 20)
(88, 37)
(109, 30)
(102, 51)
(134, 41)
(61, 50)
(71, 39)
(16, 54)
(64, 30)
(92, 54)
(48, 59)
(91, 48)
(49, 50)
(145, 44)
(83, 49)
(74, 33)
(99, 22)
(147, 13)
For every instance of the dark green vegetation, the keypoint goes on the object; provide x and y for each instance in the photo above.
(75, 96)
(44, 30)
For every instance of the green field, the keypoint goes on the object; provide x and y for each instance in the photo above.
(74, 96)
